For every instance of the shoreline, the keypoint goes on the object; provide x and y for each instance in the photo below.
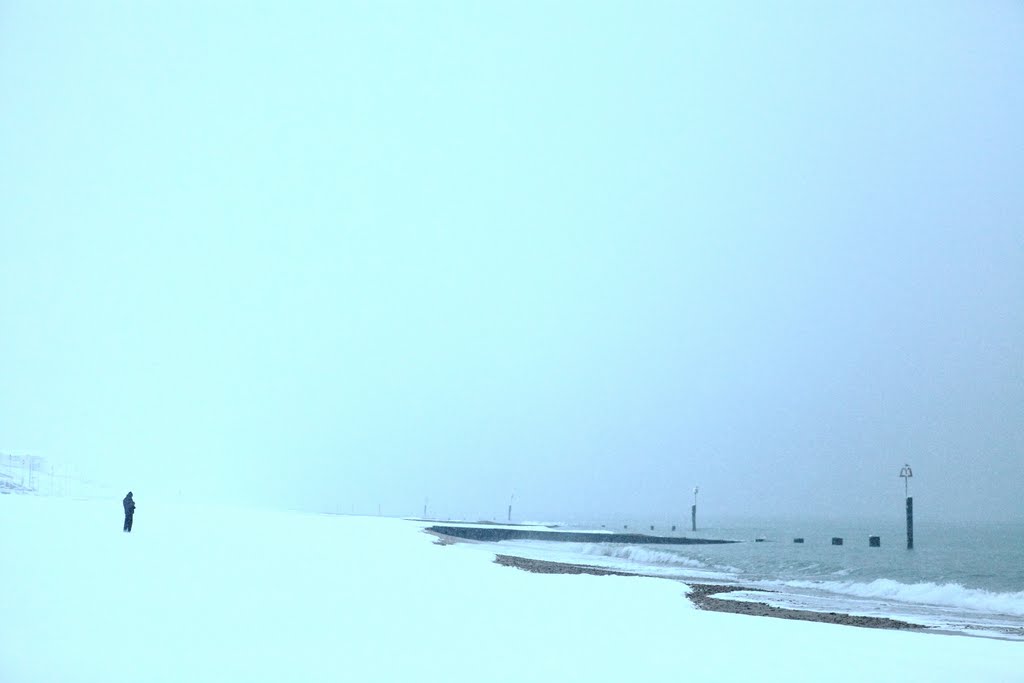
(702, 596)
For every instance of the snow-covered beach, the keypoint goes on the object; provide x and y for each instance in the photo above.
(208, 593)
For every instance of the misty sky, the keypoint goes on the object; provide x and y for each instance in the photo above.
(331, 256)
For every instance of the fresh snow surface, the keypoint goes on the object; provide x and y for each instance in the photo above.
(207, 593)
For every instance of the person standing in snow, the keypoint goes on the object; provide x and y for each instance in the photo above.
(129, 512)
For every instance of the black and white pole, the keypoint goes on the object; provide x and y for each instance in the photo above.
(907, 473)
(693, 509)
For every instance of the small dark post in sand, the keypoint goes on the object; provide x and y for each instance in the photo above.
(798, 540)
(906, 473)
(693, 509)
(836, 540)
(874, 541)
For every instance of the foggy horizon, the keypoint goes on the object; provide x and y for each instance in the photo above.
(593, 255)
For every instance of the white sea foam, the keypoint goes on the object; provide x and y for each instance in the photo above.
(546, 525)
(641, 555)
(943, 595)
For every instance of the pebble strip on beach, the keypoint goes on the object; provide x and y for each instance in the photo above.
(702, 595)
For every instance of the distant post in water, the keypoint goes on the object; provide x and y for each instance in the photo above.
(907, 473)
(511, 498)
(693, 509)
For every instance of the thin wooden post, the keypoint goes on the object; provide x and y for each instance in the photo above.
(693, 509)
(910, 522)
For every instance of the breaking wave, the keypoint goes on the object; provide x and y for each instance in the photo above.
(641, 555)
(942, 595)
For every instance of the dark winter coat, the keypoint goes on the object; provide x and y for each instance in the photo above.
(129, 504)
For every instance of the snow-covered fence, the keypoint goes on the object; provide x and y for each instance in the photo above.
(35, 474)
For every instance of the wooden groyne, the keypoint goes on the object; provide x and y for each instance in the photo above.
(494, 534)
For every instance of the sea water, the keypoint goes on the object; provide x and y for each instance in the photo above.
(965, 577)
